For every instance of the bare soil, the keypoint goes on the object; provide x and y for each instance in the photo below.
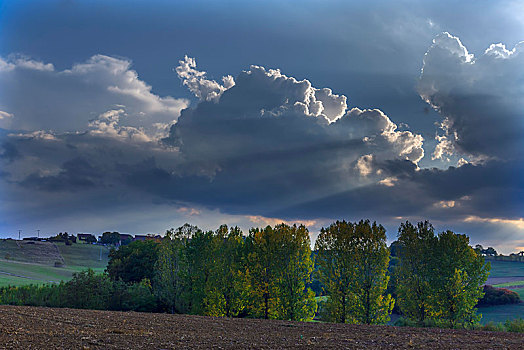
(23, 327)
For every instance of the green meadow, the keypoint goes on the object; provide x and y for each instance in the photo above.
(23, 263)
(507, 274)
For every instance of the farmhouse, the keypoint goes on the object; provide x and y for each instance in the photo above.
(148, 237)
(86, 237)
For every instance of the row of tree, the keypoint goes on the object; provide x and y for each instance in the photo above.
(86, 290)
(440, 277)
(269, 273)
(265, 274)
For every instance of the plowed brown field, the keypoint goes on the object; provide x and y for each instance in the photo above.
(24, 327)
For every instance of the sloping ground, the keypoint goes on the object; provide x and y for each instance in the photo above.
(33, 262)
(45, 328)
(84, 255)
(34, 272)
(505, 272)
(44, 253)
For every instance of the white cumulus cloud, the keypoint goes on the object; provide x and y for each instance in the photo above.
(65, 101)
(196, 82)
(481, 99)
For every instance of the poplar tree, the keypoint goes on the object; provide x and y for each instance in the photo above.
(226, 293)
(353, 260)
(414, 287)
(295, 267)
(262, 271)
(336, 269)
(371, 304)
(198, 270)
(458, 275)
(279, 268)
(170, 271)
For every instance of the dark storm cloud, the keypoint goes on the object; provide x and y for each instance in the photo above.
(265, 144)
(9, 152)
(76, 174)
(268, 141)
(480, 99)
(271, 145)
(268, 115)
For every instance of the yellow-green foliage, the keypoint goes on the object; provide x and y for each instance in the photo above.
(440, 277)
(226, 290)
(457, 279)
(353, 260)
(414, 272)
(279, 267)
(516, 325)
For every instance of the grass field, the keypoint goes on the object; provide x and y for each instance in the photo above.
(34, 263)
(501, 313)
(509, 284)
(502, 269)
(84, 255)
(505, 274)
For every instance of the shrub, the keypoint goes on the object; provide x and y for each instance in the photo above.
(140, 297)
(88, 290)
(492, 327)
(516, 325)
(498, 296)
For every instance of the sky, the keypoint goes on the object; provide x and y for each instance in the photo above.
(137, 116)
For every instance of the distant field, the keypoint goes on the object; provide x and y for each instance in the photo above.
(501, 270)
(509, 284)
(6, 280)
(34, 263)
(44, 253)
(501, 313)
(84, 255)
(505, 274)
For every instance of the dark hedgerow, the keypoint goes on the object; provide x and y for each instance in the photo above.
(498, 296)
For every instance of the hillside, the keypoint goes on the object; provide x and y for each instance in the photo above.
(24, 327)
(505, 274)
(26, 262)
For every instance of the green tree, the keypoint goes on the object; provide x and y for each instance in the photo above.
(88, 290)
(262, 272)
(170, 271)
(370, 303)
(279, 268)
(458, 275)
(139, 297)
(294, 269)
(133, 262)
(226, 293)
(414, 288)
(197, 259)
(353, 260)
(336, 269)
(112, 238)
